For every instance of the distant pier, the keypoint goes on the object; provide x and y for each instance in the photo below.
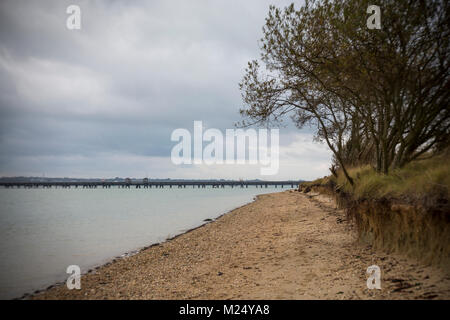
(152, 184)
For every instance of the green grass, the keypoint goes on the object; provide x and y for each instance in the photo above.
(416, 180)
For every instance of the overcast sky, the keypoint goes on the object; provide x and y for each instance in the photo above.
(103, 101)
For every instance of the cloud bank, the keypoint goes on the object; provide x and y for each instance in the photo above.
(102, 101)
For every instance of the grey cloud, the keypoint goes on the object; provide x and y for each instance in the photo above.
(136, 71)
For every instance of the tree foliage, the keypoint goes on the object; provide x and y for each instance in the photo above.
(374, 96)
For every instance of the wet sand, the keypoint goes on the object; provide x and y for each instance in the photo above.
(284, 245)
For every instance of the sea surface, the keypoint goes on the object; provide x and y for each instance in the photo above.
(43, 231)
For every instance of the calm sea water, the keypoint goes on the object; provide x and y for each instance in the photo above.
(42, 231)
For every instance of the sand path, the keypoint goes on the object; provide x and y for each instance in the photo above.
(283, 246)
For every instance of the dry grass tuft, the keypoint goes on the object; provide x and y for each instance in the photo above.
(417, 180)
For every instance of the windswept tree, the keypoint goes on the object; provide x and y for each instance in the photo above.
(365, 91)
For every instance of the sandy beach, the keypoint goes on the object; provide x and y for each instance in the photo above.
(284, 245)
